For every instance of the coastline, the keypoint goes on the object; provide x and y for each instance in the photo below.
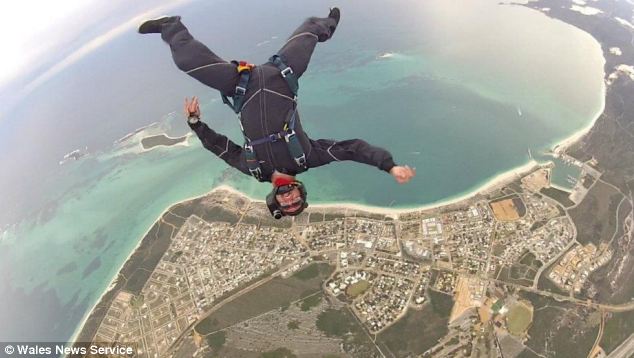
(496, 182)
(492, 185)
(567, 142)
(112, 283)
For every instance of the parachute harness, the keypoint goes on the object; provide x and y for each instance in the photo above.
(288, 131)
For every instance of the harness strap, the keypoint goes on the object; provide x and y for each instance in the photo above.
(286, 72)
(241, 88)
(295, 147)
(252, 162)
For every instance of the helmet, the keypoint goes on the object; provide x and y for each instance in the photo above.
(274, 206)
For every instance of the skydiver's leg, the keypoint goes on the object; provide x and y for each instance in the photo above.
(299, 47)
(195, 59)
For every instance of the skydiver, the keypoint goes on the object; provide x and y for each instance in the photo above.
(276, 147)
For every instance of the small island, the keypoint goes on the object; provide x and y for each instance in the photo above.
(162, 140)
(74, 155)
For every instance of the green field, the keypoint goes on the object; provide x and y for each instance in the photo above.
(418, 330)
(527, 353)
(519, 319)
(272, 295)
(517, 274)
(315, 217)
(358, 288)
(595, 217)
(334, 323)
(560, 329)
(311, 301)
(216, 340)
(546, 284)
(560, 196)
(618, 326)
(311, 271)
(522, 272)
(620, 267)
(279, 353)
(333, 216)
(529, 259)
(341, 323)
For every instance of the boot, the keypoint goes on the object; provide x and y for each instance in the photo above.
(154, 26)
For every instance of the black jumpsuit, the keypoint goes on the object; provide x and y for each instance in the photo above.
(268, 103)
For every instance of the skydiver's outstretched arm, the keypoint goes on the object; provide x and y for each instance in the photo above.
(358, 150)
(217, 143)
(220, 145)
(195, 59)
(325, 151)
(299, 47)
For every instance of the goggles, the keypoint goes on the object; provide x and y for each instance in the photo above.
(278, 210)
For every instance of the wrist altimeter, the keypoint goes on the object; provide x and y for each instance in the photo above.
(193, 118)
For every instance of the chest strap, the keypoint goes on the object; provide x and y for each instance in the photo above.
(289, 136)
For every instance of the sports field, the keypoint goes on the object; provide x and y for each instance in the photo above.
(358, 288)
(505, 210)
(519, 318)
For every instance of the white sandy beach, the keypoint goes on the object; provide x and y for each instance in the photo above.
(578, 135)
(494, 184)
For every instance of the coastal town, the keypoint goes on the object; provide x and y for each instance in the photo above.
(384, 265)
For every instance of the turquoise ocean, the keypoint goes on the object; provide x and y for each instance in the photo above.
(460, 90)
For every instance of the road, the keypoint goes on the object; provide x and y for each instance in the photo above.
(595, 347)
